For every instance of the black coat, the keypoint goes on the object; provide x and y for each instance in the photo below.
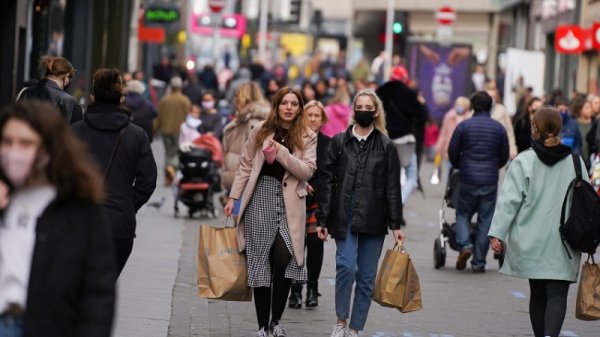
(322, 145)
(71, 289)
(48, 90)
(403, 113)
(131, 179)
(522, 129)
(371, 174)
(142, 112)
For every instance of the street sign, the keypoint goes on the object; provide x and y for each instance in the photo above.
(216, 6)
(569, 39)
(445, 15)
(596, 35)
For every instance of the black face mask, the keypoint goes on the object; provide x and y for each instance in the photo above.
(364, 118)
(66, 86)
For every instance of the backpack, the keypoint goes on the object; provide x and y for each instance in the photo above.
(581, 230)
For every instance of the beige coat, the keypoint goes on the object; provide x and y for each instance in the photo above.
(172, 111)
(300, 166)
(501, 115)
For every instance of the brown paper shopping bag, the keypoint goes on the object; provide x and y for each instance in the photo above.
(397, 283)
(588, 293)
(221, 268)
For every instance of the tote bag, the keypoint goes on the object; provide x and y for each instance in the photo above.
(588, 293)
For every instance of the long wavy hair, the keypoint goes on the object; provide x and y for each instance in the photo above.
(379, 122)
(296, 130)
(70, 168)
(248, 93)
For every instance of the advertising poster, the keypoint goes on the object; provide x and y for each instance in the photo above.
(442, 74)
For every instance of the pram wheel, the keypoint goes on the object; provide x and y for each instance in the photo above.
(439, 254)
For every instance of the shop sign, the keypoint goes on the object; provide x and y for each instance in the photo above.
(160, 15)
(569, 39)
(596, 36)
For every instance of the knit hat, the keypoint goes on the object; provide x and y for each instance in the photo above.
(176, 82)
(135, 86)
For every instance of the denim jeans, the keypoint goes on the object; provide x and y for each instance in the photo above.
(481, 200)
(11, 326)
(356, 259)
(412, 176)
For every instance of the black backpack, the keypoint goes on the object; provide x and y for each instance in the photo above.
(582, 228)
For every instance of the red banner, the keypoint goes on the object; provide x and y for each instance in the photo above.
(569, 39)
(596, 35)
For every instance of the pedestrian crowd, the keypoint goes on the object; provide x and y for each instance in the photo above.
(334, 155)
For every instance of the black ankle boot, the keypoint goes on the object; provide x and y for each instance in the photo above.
(312, 295)
(295, 301)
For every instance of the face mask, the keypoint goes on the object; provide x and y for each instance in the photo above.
(364, 118)
(16, 165)
(459, 110)
(65, 84)
(208, 104)
(193, 121)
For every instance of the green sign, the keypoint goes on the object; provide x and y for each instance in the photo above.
(161, 15)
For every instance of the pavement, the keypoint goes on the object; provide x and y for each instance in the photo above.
(158, 297)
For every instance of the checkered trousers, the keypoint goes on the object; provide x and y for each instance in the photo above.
(263, 218)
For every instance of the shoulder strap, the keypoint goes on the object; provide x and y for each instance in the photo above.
(577, 163)
(114, 149)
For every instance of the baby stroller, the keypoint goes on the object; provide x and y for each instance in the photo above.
(200, 178)
(447, 235)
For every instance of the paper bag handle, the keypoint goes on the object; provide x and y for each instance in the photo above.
(225, 222)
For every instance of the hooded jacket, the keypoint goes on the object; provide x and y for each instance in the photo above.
(403, 112)
(142, 112)
(131, 179)
(48, 90)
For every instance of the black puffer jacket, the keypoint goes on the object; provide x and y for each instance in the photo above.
(48, 90)
(371, 174)
(131, 179)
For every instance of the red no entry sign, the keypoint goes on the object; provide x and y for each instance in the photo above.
(216, 6)
(445, 15)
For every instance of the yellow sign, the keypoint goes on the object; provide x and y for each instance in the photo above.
(182, 37)
(297, 44)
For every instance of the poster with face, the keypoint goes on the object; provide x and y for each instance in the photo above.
(442, 74)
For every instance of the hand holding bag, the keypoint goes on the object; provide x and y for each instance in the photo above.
(588, 293)
(397, 283)
(222, 270)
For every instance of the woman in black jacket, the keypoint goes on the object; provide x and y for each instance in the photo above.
(57, 265)
(123, 153)
(359, 199)
(522, 125)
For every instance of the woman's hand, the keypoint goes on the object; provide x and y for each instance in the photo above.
(275, 145)
(496, 244)
(4, 195)
(322, 233)
(309, 189)
(228, 209)
(398, 235)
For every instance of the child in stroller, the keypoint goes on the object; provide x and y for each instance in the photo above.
(447, 234)
(199, 176)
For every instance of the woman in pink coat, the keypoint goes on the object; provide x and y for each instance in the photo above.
(338, 113)
(459, 113)
(278, 159)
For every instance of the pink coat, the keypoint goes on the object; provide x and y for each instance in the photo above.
(451, 120)
(338, 115)
(299, 165)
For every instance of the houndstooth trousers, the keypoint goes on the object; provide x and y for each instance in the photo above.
(264, 217)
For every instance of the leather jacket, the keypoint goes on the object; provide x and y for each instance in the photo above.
(47, 90)
(360, 181)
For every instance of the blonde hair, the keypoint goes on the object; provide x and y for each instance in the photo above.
(379, 122)
(316, 104)
(340, 96)
(464, 102)
(248, 93)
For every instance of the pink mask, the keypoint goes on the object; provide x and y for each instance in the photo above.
(16, 165)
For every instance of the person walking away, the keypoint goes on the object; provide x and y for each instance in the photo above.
(142, 111)
(211, 120)
(124, 156)
(478, 148)
(57, 265)
(501, 115)
(250, 109)
(403, 111)
(582, 111)
(570, 134)
(57, 75)
(338, 113)
(188, 131)
(526, 219)
(522, 125)
(359, 198)
(172, 111)
(277, 161)
(316, 117)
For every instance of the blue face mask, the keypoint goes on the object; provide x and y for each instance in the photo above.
(459, 110)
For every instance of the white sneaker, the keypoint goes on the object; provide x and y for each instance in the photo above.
(352, 333)
(278, 330)
(262, 333)
(339, 331)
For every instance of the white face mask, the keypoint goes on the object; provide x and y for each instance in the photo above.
(193, 121)
(16, 165)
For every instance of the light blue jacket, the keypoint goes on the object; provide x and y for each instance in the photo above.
(528, 213)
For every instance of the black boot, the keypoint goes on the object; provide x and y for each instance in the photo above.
(312, 295)
(295, 301)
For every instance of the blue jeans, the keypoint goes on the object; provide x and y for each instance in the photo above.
(356, 259)
(11, 326)
(481, 200)
(412, 176)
